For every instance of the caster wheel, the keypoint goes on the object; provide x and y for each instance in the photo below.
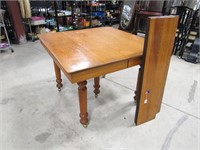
(12, 50)
(85, 125)
(96, 96)
(59, 90)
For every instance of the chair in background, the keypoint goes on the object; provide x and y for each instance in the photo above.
(185, 18)
(147, 9)
(194, 29)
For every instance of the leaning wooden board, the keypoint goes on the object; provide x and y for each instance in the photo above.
(157, 53)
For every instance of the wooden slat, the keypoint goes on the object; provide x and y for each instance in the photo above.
(157, 53)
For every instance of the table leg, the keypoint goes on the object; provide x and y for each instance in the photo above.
(138, 84)
(58, 77)
(82, 91)
(96, 86)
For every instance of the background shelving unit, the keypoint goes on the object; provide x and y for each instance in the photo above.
(8, 23)
(84, 14)
(4, 41)
(113, 12)
(74, 15)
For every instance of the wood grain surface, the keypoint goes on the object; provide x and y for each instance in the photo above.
(83, 49)
(157, 53)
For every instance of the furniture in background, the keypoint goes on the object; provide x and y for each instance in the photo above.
(147, 9)
(193, 55)
(4, 39)
(127, 15)
(8, 23)
(89, 14)
(36, 23)
(135, 14)
(113, 11)
(194, 28)
(70, 15)
(37, 20)
(185, 18)
(191, 52)
(82, 56)
(141, 19)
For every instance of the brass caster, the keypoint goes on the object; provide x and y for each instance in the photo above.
(96, 96)
(59, 90)
(85, 125)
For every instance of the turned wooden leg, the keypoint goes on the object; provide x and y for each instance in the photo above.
(58, 77)
(138, 85)
(96, 86)
(82, 91)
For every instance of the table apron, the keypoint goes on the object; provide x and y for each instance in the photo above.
(102, 70)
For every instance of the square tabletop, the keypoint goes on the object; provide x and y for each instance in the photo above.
(79, 50)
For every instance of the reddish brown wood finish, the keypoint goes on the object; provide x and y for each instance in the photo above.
(157, 53)
(58, 77)
(96, 86)
(82, 91)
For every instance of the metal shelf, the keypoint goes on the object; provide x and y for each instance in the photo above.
(4, 45)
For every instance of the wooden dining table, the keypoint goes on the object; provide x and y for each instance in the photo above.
(91, 53)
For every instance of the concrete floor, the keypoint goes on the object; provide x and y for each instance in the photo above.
(35, 116)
